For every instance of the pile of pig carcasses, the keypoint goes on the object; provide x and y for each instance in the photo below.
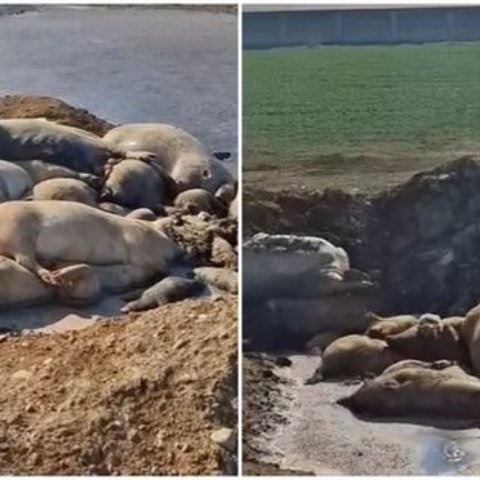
(296, 287)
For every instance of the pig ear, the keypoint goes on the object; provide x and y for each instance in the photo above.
(390, 384)
(372, 318)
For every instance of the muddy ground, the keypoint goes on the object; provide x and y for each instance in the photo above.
(416, 237)
(262, 406)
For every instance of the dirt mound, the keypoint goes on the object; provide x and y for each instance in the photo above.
(30, 106)
(140, 394)
(419, 240)
(426, 234)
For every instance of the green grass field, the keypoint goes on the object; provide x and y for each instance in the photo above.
(409, 100)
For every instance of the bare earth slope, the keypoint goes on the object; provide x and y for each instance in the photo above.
(140, 394)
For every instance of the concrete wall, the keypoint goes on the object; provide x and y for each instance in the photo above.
(356, 27)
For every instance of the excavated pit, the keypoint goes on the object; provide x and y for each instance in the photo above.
(417, 245)
(417, 242)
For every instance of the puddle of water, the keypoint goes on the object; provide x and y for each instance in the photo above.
(442, 455)
(323, 437)
(51, 317)
(55, 318)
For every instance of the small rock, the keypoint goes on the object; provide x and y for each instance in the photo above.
(220, 278)
(35, 458)
(204, 216)
(132, 434)
(225, 437)
(159, 439)
(181, 343)
(283, 362)
(267, 373)
(21, 375)
(186, 448)
(115, 425)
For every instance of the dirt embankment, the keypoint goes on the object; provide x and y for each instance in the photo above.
(417, 240)
(141, 394)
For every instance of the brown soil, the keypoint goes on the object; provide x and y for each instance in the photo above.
(398, 236)
(139, 394)
(30, 106)
(366, 173)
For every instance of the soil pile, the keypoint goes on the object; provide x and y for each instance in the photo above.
(339, 217)
(31, 106)
(425, 234)
(140, 394)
